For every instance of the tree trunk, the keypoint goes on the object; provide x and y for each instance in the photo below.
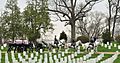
(113, 28)
(116, 12)
(73, 31)
(109, 19)
(0, 40)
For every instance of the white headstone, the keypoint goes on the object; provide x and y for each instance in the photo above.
(92, 51)
(111, 44)
(118, 46)
(72, 56)
(36, 53)
(32, 55)
(56, 61)
(109, 47)
(81, 59)
(102, 44)
(105, 45)
(75, 53)
(74, 60)
(2, 47)
(41, 56)
(45, 55)
(12, 52)
(61, 59)
(5, 45)
(45, 60)
(35, 59)
(55, 57)
(20, 59)
(65, 59)
(24, 53)
(40, 61)
(66, 50)
(50, 54)
(0, 56)
(50, 59)
(115, 45)
(59, 55)
(6, 58)
(84, 58)
(78, 51)
(63, 54)
(54, 51)
(41, 50)
(29, 60)
(19, 55)
(26, 56)
(78, 60)
(69, 58)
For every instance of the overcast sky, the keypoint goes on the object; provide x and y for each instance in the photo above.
(59, 27)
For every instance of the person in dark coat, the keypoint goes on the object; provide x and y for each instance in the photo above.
(56, 41)
(73, 43)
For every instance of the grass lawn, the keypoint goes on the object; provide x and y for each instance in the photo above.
(70, 51)
(117, 60)
(113, 49)
(105, 57)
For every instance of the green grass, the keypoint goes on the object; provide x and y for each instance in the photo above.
(70, 51)
(105, 57)
(16, 56)
(117, 60)
(113, 49)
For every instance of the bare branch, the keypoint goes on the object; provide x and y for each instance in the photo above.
(75, 3)
(60, 5)
(83, 8)
(67, 6)
(60, 18)
(67, 23)
(59, 12)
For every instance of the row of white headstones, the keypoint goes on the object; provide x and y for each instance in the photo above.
(60, 57)
(114, 57)
(47, 57)
(99, 57)
(109, 45)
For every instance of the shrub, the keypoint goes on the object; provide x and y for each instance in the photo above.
(63, 36)
(105, 36)
(84, 39)
(117, 38)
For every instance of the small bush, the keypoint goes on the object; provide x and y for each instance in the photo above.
(105, 36)
(84, 39)
(117, 38)
(63, 36)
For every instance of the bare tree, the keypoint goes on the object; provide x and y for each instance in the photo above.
(92, 25)
(116, 7)
(70, 11)
(109, 18)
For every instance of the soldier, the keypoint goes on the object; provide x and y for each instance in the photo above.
(56, 41)
(73, 43)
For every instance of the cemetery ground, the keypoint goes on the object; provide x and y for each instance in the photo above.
(106, 53)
